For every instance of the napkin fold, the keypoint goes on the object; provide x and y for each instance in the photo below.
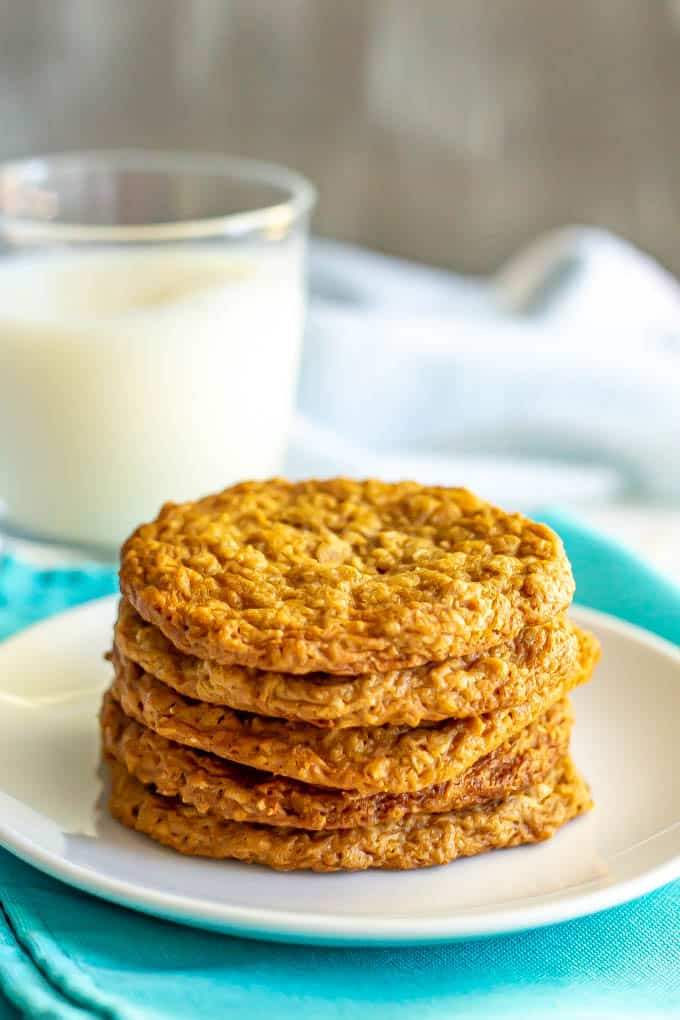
(557, 376)
(65, 955)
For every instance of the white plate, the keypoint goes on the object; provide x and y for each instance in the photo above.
(625, 740)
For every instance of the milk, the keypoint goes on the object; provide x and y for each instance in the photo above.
(131, 377)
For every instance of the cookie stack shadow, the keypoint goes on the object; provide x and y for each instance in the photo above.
(238, 725)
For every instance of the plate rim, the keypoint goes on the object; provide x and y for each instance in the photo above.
(303, 927)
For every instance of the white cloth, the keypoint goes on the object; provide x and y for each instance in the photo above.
(558, 379)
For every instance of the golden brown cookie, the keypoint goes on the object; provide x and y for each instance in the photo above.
(538, 657)
(418, 841)
(342, 576)
(395, 759)
(238, 793)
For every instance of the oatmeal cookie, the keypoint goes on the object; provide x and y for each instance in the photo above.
(539, 656)
(238, 793)
(417, 841)
(395, 759)
(342, 576)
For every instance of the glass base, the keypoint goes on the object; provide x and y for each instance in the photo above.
(50, 554)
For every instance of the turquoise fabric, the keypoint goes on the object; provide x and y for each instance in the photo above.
(67, 956)
(28, 595)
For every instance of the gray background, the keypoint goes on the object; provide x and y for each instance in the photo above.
(445, 130)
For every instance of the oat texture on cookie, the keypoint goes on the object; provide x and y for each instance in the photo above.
(218, 787)
(397, 759)
(340, 675)
(419, 841)
(538, 657)
(342, 576)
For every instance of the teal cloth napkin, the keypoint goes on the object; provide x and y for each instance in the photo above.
(68, 956)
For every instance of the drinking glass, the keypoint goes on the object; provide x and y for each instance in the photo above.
(151, 318)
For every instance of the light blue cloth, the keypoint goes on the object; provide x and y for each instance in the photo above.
(67, 956)
(539, 379)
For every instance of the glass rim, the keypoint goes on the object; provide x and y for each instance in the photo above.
(276, 218)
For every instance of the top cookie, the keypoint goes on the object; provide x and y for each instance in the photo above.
(342, 576)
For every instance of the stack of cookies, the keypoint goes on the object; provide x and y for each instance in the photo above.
(339, 675)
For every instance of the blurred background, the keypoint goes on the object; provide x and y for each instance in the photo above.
(447, 131)
(452, 134)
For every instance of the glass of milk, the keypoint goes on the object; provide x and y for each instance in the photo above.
(151, 317)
